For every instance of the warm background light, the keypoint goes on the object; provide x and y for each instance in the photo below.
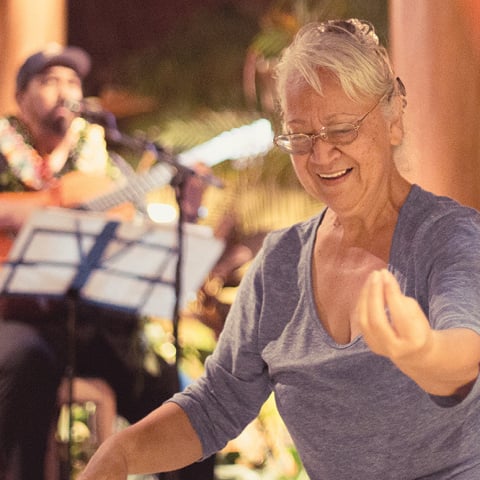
(161, 212)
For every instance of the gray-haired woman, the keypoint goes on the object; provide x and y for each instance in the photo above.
(364, 320)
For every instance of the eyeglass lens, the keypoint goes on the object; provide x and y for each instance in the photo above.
(340, 134)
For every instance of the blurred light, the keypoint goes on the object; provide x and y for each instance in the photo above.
(161, 212)
(242, 142)
(202, 211)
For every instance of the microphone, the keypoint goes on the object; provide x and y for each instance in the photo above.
(92, 111)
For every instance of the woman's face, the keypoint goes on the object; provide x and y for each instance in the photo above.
(348, 178)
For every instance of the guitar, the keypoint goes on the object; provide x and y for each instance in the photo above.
(93, 193)
(242, 142)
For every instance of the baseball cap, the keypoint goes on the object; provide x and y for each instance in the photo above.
(54, 54)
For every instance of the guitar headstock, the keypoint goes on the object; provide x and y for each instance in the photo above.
(239, 143)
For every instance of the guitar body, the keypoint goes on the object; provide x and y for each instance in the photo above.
(73, 189)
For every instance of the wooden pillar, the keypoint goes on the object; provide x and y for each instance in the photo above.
(436, 51)
(25, 27)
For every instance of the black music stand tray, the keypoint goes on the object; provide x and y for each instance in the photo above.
(131, 266)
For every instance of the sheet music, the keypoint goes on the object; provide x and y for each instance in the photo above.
(136, 270)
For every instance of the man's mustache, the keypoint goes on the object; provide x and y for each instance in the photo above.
(58, 123)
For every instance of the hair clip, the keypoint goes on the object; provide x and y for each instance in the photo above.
(353, 26)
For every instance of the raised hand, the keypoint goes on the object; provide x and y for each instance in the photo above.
(392, 324)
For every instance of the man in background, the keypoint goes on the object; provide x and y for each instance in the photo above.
(51, 156)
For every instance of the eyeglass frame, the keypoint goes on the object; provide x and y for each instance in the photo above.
(323, 133)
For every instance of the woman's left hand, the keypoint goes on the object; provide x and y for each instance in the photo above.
(392, 324)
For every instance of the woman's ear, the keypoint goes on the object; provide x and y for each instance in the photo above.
(396, 122)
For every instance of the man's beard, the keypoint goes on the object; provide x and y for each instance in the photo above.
(56, 124)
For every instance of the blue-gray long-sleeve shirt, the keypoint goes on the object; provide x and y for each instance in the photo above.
(351, 413)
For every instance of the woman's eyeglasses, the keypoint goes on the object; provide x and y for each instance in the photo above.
(336, 134)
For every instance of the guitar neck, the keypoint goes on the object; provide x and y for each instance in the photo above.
(246, 141)
(133, 191)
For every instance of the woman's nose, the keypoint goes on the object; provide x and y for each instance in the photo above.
(323, 153)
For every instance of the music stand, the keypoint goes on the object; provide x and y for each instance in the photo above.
(131, 266)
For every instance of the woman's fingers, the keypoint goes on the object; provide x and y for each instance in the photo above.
(372, 314)
(392, 324)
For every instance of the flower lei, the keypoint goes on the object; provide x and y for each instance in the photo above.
(88, 155)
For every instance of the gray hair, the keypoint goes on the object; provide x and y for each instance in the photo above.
(349, 49)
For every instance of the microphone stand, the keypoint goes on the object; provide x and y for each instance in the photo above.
(178, 182)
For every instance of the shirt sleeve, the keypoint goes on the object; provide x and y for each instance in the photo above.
(235, 384)
(454, 275)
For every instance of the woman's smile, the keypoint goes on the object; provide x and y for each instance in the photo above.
(335, 175)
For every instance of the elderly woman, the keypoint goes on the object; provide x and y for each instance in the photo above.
(364, 321)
